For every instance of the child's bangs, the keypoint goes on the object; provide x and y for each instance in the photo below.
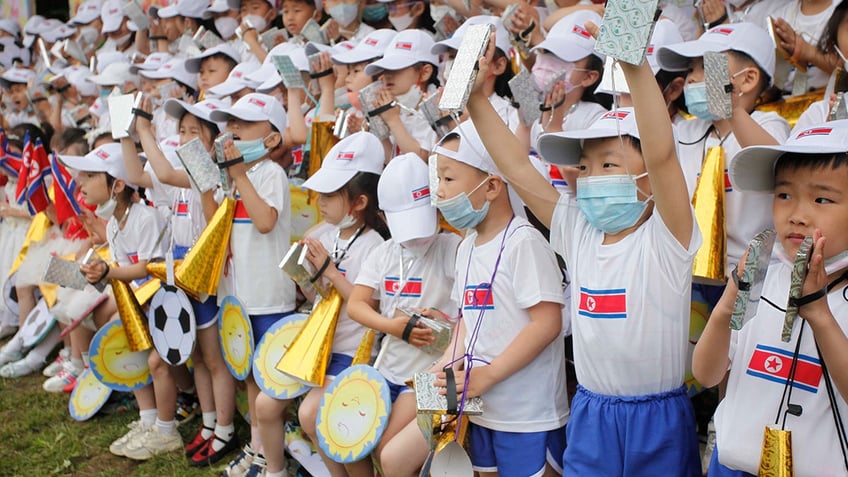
(794, 161)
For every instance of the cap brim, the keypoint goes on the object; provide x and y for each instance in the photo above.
(176, 108)
(414, 223)
(227, 88)
(155, 74)
(445, 45)
(101, 81)
(83, 164)
(677, 57)
(167, 12)
(391, 64)
(563, 148)
(192, 65)
(326, 180)
(222, 115)
(563, 51)
(752, 169)
(270, 83)
(352, 57)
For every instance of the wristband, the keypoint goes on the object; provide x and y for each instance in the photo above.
(158, 37)
(718, 22)
(382, 109)
(450, 390)
(105, 274)
(410, 325)
(807, 299)
(321, 74)
(62, 89)
(741, 285)
(320, 271)
(232, 162)
(142, 114)
(38, 99)
(544, 108)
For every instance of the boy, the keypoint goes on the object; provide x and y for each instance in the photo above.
(807, 176)
(511, 295)
(628, 239)
(18, 109)
(296, 13)
(212, 66)
(260, 234)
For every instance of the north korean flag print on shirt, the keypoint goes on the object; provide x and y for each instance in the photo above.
(774, 364)
(241, 216)
(412, 287)
(478, 297)
(605, 304)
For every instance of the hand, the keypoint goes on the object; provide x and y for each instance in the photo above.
(480, 381)
(318, 255)
(712, 10)
(94, 271)
(816, 279)
(787, 38)
(332, 29)
(143, 125)
(555, 99)
(5, 210)
(383, 98)
(340, 71)
(483, 67)
(231, 152)
(249, 35)
(324, 63)
(356, 122)
(420, 334)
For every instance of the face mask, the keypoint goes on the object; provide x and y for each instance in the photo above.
(253, 150)
(340, 98)
(347, 222)
(831, 265)
(353, 98)
(695, 95)
(345, 13)
(437, 12)
(610, 203)
(411, 98)
(107, 209)
(459, 212)
(258, 22)
(401, 22)
(226, 26)
(89, 35)
(374, 13)
(418, 247)
(546, 68)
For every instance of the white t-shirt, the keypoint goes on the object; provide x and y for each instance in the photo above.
(630, 303)
(139, 239)
(760, 364)
(746, 213)
(419, 128)
(251, 274)
(163, 196)
(815, 115)
(187, 218)
(527, 275)
(506, 112)
(810, 27)
(348, 332)
(757, 12)
(583, 116)
(427, 283)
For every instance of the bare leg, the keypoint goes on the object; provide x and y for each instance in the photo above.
(164, 387)
(269, 418)
(308, 414)
(223, 383)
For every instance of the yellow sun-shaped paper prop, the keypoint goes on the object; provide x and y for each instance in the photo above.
(88, 397)
(114, 364)
(353, 414)
(270, 349)
(236, 336)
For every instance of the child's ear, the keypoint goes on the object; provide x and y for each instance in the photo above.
(417, 9)
(120, 185)
(589, 78)
(494, 187)
(424, 73)
(273, 140)
(674, 89)
(750, 80)
(360, 203)
(499, 66)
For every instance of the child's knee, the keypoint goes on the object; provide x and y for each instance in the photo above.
(267, 409)
(307, 413)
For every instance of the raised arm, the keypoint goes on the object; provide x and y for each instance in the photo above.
(165, 172)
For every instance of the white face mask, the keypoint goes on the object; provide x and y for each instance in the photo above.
(107, 209)
(345, 13)
(347, 222)
(411, 98)
(401, 22)
(121, 41)
(437, 12)
(226, 26)
(258, 22)
(89, 35)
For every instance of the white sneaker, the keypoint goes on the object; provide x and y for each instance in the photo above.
(55, 367)
(119, 446)
(9, 356)
(241, 464)
(64, 377)
(7, 331)
(152, 442)
(19, 368)
(257, 469)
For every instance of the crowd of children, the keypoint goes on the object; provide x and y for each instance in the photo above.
(556, 239)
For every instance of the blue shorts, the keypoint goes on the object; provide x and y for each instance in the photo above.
(180, 252)
(396, 390)
(718, 470)
(205, 313)
(519, 454)
(262, 323)
(631, 435)
(709, 294)
(338, 363)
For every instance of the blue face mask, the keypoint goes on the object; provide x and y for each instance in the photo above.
(610, 203)
(459, 212)
(104, 92)
(695, 95)
(375, 13)
(253, 150)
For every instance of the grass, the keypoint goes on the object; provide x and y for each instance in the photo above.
(38, 437)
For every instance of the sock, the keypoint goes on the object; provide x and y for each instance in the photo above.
(191, 390)
(147, 416)
(38, 354)
(256, 440)
(85, 359)
(209, 419)
(281, 473)
(77, 366)
(166, 428)
(225, 433)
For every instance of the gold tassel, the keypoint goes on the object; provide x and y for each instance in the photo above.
(776, 457)
(307, 357)
(708, 202)
(132, 316)
(200, 271)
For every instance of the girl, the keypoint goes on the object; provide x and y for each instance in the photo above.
(346, 23)
(172, 80)
(412, 270)
(409, 73)
(347, 188)
(405, 15)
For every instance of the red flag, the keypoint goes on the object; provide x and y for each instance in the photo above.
(39, 169)
(64, 191)
(23, 172)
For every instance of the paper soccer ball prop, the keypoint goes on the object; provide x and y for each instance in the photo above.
(172, 325)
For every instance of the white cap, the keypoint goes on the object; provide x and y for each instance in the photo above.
(174, 68)
(255, 107)
(237, 80)
(371, 47)
(78, 76)
(106, 158)
(116, 74)
(16, 75)
(408, 48)
(564, 147)
(359, 152)
(192, 64)
(154, 61)
(269, 77)
(11, 50)
(744, 37)
(752, 169)
(87, 12)
(112, 15)
(32, 28)
(569, 40)
(183, 8)
(452, 43)
(106, 58)
(404, 195)
(53, 30)
(203, 110)
(221, 6)
(169, 146)
(10, 26)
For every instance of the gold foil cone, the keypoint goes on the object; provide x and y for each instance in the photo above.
(200, 271)
(307, 357)
(708, 202)
(776, 457)
(323, 140)
(144, 293)
(160, 269)
(363, 352)
(36, 232)
(132, 316)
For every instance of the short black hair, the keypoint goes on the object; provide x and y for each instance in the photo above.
(231, 63)
(794, 161)
(827, 42)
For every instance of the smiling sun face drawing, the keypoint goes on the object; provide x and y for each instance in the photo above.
(236, 338)
(114, 364)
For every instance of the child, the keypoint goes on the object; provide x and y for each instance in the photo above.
(296, 13)
(409, 71)
(172, 80)
(261, 227)
(807, 176)
(17, 107)
(257, 16)
(346, 18)
(405, 15)
(347, 188)
(510, 287)
(212, 66)
(629, 348)
(412, 270)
